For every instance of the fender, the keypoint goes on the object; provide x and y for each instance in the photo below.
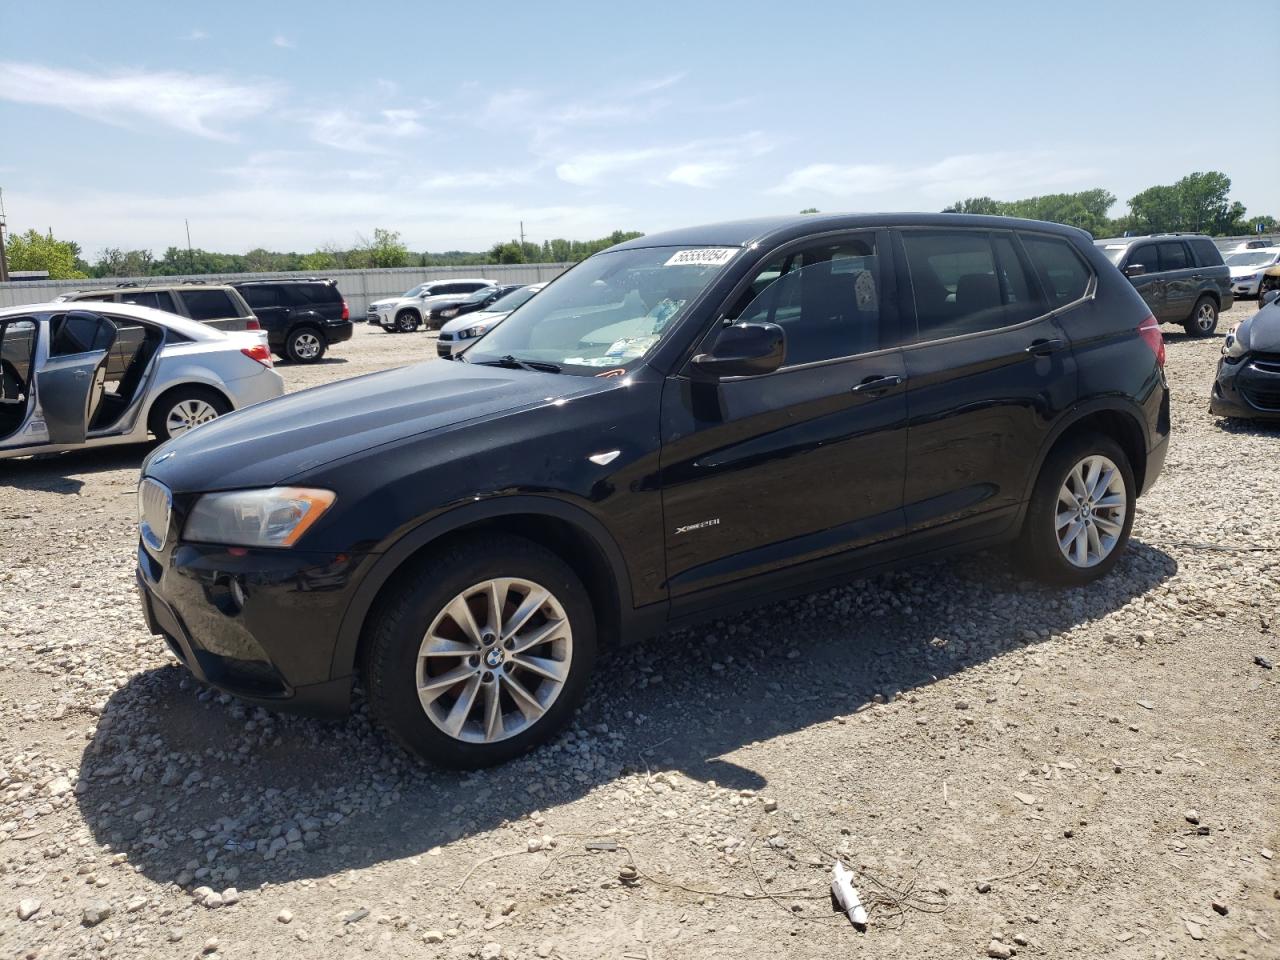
(187, 374)
(388, 562)
(1115, 404)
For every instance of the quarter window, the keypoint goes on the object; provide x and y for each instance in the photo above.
(1173, 256)
(1063, 275)
(826, 297)
(209, 305)
(966, 282)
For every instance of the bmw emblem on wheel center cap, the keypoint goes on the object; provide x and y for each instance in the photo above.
(494, 657)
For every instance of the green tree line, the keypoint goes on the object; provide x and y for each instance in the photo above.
(63, 259)
(1198, 203)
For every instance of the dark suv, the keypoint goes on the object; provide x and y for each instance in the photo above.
(1182, 277)
(303, 317)
(678, 427)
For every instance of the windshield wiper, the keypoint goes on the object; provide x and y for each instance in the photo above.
(543, 366)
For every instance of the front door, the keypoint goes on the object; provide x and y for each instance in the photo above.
(989, 371)
(760, 473)
(70, 384)
(1150, 284)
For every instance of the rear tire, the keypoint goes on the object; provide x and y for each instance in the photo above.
(1074, 532)
(407, 321)
(1204, 318)
(185, 408)
(305, 345)
(507, 698)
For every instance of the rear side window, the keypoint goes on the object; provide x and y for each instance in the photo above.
(967, 282)
(159, 299)
(74, 333)
(1206, 253)
(209, 304)
(1064, 277)
(260, 295)
(315, 293)
(1173, 256)
(1145, 256)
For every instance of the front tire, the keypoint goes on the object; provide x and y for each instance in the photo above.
(183, 409)
(305, 345)
(406, 321)
(1204, 318)
(1081, 512)
(481, 652)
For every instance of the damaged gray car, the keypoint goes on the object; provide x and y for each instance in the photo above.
(1248, 382)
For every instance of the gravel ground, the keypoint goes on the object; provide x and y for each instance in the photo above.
(1009, 769)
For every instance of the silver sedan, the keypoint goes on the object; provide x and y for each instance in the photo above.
(119, 373)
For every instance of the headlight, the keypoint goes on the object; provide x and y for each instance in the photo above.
(449, 313)
(477, 331)
(256, 518)
(1236, 344)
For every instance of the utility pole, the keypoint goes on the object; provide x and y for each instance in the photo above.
(522, 235)
(4, 262)
(191, 257)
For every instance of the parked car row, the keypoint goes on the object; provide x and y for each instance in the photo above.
(682, 425)
(412, 309)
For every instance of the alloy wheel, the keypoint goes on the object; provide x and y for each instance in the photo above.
(1206, 317)
(1091, 511)
(494, 660)
(187, 415)
(306, 346)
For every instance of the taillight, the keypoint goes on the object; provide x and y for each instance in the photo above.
(253, 325)
(346, 311)
(1149, 331)
(260, 352)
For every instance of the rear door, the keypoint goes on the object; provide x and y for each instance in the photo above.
(761, 473)
(270, 303)
(70, 385)
(1181, 279)
(988, 372)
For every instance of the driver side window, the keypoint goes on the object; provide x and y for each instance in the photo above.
(825, 296)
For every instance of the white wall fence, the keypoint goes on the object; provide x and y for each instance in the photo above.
(358, 286)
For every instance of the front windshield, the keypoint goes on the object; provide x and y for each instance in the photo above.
(607, 313)
(415, 291)
(481, 294)
(512, 300)
(1252, 258)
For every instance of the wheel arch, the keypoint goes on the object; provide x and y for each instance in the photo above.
(158, 394)
(1121, 420)
(572, 533)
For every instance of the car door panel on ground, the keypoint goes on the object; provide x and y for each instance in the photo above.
(760, 473)
(988, 373)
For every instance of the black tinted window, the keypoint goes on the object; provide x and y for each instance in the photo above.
(315, 293)
(1206, 253)
(826, 297)
(79, 333)
(260, 295)
(1063, 275)
(159, 299)
(1173, 256)
(966, 282)
(209, 304)
(17, 341)
(1145, 256)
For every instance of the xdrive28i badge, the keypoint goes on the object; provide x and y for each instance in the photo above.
(713, 522)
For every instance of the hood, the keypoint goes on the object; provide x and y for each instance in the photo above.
(1261, 332)
(1242, 271)
(468, 320)
(269, 443)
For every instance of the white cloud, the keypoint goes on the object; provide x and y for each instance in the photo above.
(196, 34)
(486, 179)
(346, 130)
(280, 40)
(705, 174)
(193, 103)
(963, 175)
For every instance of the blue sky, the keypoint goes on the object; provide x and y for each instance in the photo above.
(293, 125)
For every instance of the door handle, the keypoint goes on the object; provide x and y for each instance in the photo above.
(1042, 348)
(876, 384)
(1197, 276)
(81, 374)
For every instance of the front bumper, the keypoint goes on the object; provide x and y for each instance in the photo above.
(1249, 390)
(259, 624)
(1245, 288)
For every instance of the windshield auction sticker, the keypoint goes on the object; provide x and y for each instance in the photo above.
(702, 257)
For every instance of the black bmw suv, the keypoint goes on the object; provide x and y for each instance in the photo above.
(303, 317)
(683, 425)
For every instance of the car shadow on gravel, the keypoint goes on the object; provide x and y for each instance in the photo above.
(194, 787)
(66, 472)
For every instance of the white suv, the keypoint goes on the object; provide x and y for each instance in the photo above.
(404, 314)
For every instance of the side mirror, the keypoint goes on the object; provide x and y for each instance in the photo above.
(1134, 270)
(1270, 297)
(743, 350)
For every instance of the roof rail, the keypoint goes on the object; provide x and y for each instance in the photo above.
(283, 280)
